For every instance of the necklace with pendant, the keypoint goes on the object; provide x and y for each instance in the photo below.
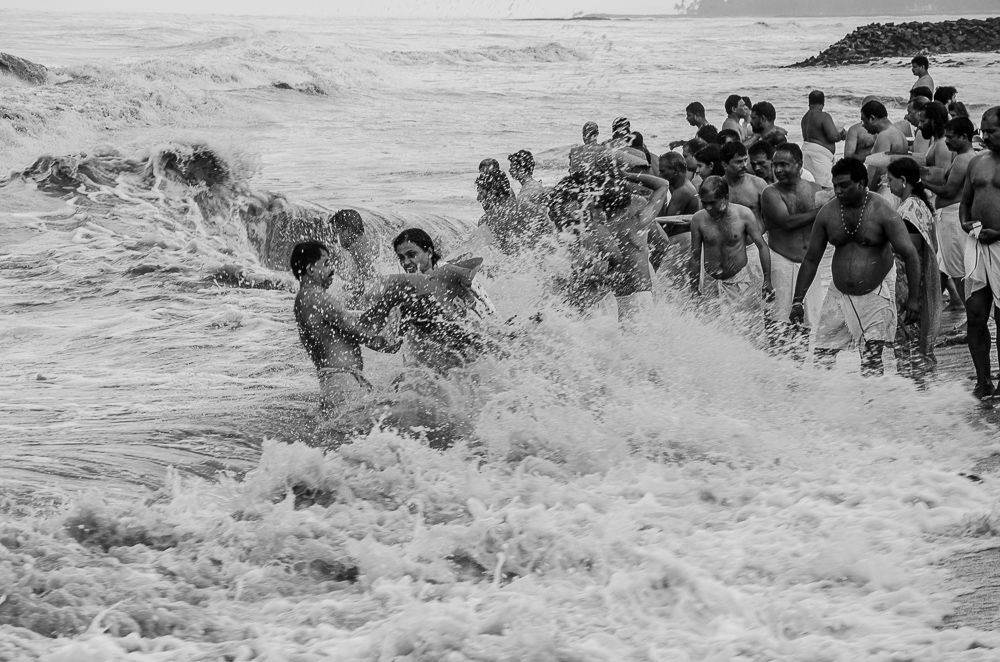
(860, 216)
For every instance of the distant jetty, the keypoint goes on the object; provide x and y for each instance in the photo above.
(878, 40)
(23, 69)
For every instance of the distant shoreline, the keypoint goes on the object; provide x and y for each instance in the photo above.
(648, 17)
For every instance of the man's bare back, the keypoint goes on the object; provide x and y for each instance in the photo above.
(818, 127)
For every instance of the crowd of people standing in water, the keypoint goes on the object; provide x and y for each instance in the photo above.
(856, 252)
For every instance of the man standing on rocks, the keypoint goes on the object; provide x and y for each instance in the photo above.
(980, 217)
(919, 66)
(820, 137)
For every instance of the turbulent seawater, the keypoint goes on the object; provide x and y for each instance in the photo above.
(666, 493)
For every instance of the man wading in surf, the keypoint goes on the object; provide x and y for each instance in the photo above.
(859, 308)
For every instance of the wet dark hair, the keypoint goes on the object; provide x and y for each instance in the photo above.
(727, 136)
(732, 101)
(418, 238)
(817, 98)
(855, 168)
(305, 254)
(729, 151)
(350, 220)
(524, 160)
(762, 147)
(695, 108)
(638, 144)
(961, 126)
(959, 109)
(907, 168)
(714, 185)
(921, 61)
(775, 139)
(765, 110)
(673, 161)
(709, 134)
(710, 156)
(874, 109)
(945, 94)
(747, 102)
(922, 91)
(695, 145)
(494, 183)
(937, 115)
(791, 149)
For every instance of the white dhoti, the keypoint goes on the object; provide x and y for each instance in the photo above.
(846, 320)
(784, 273)
(951, 242)
(818, 160)
(982, 266)
(734, 289)
(754, 268)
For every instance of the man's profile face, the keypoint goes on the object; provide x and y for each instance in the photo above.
(917, 69)
(756, 122)
(689, 160)
(691, 118)
(322, 270)
(868, 121)
(738, 166)
(741, 109)
(990, 131)
(715, 205)
(848, 191)
(786, 169)
(760, 165)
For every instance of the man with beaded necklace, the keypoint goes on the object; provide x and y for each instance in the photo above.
(859, 308)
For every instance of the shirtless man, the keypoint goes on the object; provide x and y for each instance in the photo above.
(724, 230)
(332, 334)
(858, 143)
(744, 188)
(760, 154)
(859, 308)
(593, 252)
(762, 117)
(695, 116)
(735, 111)
(631, 218)
(514, 225)
(919, 66)
(958, 134)
(583, 156)
(349, 230)
(683, 194)
(522, 167)
(789, 208)
(888, 139)
(913, 119)
(980, 216)
(820, 137)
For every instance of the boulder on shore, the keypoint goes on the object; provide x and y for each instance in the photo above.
(878, 40)
(23, 69)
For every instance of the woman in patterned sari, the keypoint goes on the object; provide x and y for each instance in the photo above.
(915, 342)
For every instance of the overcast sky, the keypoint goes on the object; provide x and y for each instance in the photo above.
(426, 8)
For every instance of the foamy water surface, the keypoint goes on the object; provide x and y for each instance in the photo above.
(666, 493)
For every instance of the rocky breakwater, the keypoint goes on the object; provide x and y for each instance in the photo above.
(23, 69)
(878, 40)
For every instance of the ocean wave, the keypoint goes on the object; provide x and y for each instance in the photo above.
(550, 52)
